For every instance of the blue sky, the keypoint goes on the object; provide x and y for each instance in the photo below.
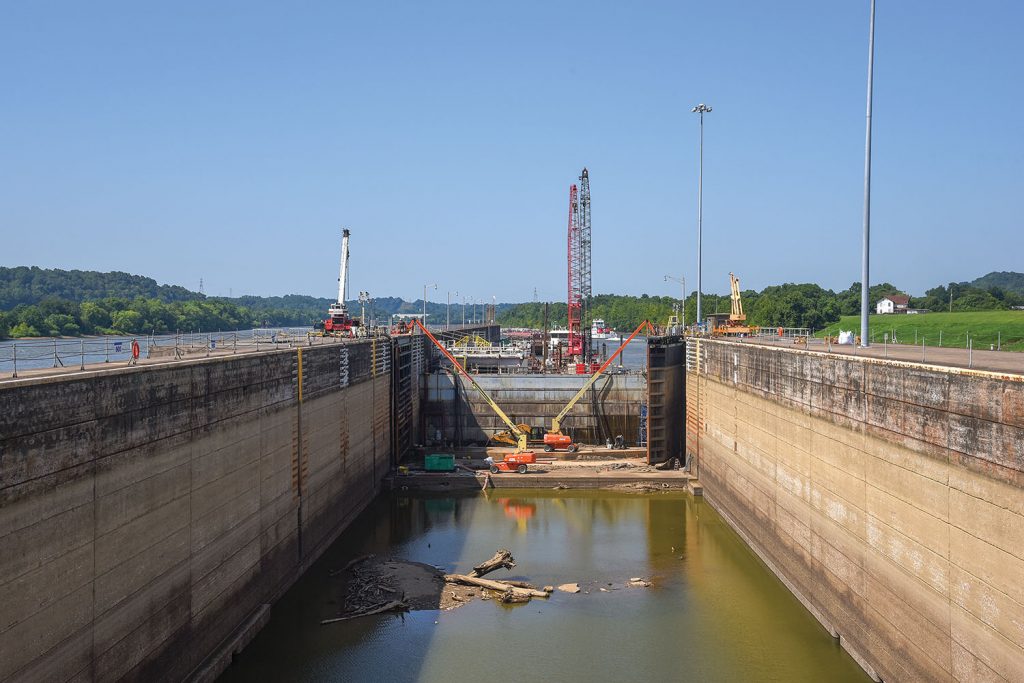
(230, 141)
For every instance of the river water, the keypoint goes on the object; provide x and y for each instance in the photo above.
(713, 613)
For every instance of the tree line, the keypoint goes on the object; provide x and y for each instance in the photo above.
(787, 305)
(54, 317)
(44, 302)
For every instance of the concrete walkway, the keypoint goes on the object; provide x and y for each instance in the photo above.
(187, 355)
(1008, 362)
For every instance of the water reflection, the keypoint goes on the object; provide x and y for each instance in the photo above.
(713, 613)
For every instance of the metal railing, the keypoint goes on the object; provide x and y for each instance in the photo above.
(782, 332)
(17, 355)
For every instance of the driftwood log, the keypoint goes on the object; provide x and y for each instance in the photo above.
(499, 586)
(511, 597)
(386, 607)
(502, 560)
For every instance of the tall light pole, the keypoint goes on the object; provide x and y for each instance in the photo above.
(464, 310)
(363, 298)
(448, 313)
(434, 285)
(700, 109)
(682, 299)
(864, 283)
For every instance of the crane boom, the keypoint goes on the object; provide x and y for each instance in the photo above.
(343, 274)
(556, 423)
(521, 437)
(575, 293)
(737, 303)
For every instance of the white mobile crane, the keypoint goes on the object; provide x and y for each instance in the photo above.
(339, 323)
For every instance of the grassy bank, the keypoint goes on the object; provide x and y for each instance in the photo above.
(984, 327)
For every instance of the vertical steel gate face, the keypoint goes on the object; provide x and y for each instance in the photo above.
(666, 398)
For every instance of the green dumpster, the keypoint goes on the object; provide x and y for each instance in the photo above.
(439, 462)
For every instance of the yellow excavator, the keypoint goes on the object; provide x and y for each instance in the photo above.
(554, 438)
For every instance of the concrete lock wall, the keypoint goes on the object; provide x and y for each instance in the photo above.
(148, 516)
(887, 496)
(461, 415)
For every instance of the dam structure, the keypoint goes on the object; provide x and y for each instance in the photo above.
(886, 495)
(152, 515)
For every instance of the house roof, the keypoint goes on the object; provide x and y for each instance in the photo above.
(899, 299)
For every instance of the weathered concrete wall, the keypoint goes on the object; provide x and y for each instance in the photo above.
(887, 496)
(612, 406)
(147, 514)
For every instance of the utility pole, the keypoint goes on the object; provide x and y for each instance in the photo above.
(544, 352)
(700, 109)
(865, 284)
(448, 313)
(363, 298)
(682, 299)
(434, 285)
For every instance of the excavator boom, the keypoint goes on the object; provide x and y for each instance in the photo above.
(520, 436)
(556, 423)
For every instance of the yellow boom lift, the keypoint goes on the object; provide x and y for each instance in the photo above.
(737, 323)
(517, 432)
(554, 438)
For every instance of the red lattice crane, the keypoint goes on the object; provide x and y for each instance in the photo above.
(575, 300)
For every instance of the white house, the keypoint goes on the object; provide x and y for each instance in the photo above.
(894, 303)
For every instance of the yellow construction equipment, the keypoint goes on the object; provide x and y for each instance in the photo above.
(476, 341)
(554, 438)
(519, 435)
(736, 325)
(737, 314)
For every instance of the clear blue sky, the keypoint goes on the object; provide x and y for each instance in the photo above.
(231, 140)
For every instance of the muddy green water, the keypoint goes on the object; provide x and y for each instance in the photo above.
(714, 612)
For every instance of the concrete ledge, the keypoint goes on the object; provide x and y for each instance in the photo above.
(467, 481)
(212, 668)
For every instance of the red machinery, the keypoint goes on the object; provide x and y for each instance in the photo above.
(575, 300)
(514, 462)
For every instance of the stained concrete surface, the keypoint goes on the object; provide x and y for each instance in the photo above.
(888, 497)
(147, 514)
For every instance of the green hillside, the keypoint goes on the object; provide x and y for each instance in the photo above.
(1006, 280)
(984, 327)
(30, 285)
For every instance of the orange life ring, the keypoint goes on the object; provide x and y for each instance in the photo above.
(135, 349)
